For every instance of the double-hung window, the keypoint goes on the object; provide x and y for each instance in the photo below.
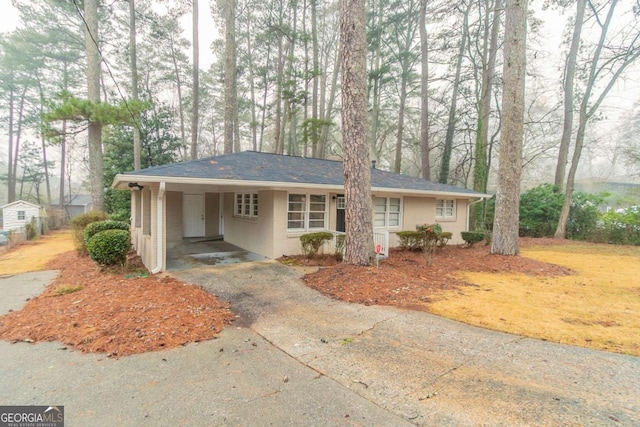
(21, 216)
(246, 205)
(306, 212)
(445, 209)
(386, 212)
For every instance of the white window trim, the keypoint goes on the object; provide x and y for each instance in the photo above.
(24, 215)
(445, 217)
(254, 202)
(387, 211)
(307, 211)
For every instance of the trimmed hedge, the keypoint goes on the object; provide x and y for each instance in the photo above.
(311, 242)
(472, 237)
(96, 227)
(79, 223)
(109, 247)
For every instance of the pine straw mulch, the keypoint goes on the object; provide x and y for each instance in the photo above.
(403, 280)
(116, 312)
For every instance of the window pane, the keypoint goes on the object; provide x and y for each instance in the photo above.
(317, 203)
(295, 220)
(255, 205)
(380, 204)
(394, 205)
(238, 204)
(340, 202)
(394, 219)
(316, 220)
(296, 202)
(379, 219)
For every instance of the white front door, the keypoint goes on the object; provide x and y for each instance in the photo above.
(193, 215)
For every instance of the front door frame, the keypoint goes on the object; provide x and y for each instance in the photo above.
(193, 215)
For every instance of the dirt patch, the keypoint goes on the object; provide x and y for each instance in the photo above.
(404, 280)
(115, 312)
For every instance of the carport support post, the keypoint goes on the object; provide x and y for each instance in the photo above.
(159, 238)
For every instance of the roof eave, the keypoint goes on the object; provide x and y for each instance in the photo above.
(121, 181)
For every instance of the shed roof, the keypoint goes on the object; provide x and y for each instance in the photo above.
(18, 203)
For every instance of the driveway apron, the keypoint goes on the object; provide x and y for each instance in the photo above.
(423, 368)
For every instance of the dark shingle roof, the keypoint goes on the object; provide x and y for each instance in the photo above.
(266, 167)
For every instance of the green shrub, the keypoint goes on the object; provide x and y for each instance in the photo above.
(109, 247)
(312, 242)
(410, 240)
(78, 225)
(98, 226)
(444, 237)
(472, 237)
(338, 253)
(31, 229)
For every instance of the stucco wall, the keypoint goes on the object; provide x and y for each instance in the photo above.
(421, 210)
(255, 235)
(212, 214)
(174, 216)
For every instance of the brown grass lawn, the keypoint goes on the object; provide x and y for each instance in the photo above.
(34, 255)
(598, 307)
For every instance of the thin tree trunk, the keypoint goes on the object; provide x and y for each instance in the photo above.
(93, 90)
(11, 173)
(134, 82)
(229, 75)
(376, 88)
(424, 93)
(451, 123)
(196, 83)
(357, 168)
(481, 167)
(570, 72)
(278, 133)
(63, 140)
(315, 133)
(324, 137)
(43, 143)
(252, 88)
(176, 70)
(506, 224)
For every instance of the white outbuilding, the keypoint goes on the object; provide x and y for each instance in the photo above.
(18, 214)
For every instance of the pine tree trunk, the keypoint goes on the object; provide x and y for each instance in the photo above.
(357, 169)
(96, 166)
(196, 83)
(506, 223)
(424, 93)
(134, 82)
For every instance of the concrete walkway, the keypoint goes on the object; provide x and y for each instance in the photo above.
(295, 357)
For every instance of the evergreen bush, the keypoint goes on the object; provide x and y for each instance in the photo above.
(472, 237)
(311, 242)
(78, 225)
(109, 247)
(98, 226)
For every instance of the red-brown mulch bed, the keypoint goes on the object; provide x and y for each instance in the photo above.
(116, 312)
(404, 280)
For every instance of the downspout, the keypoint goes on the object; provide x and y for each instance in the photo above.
(469, 210)
(159, 229)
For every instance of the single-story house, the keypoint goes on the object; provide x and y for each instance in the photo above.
(264, 202)
(18, 214)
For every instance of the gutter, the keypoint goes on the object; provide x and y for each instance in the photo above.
(159, 229)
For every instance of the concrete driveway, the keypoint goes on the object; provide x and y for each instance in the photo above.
(295, 357)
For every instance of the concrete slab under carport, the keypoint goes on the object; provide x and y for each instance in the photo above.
(206, 252)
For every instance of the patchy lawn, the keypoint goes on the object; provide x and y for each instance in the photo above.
(34, 255)
(117, 312)
(572, 293)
